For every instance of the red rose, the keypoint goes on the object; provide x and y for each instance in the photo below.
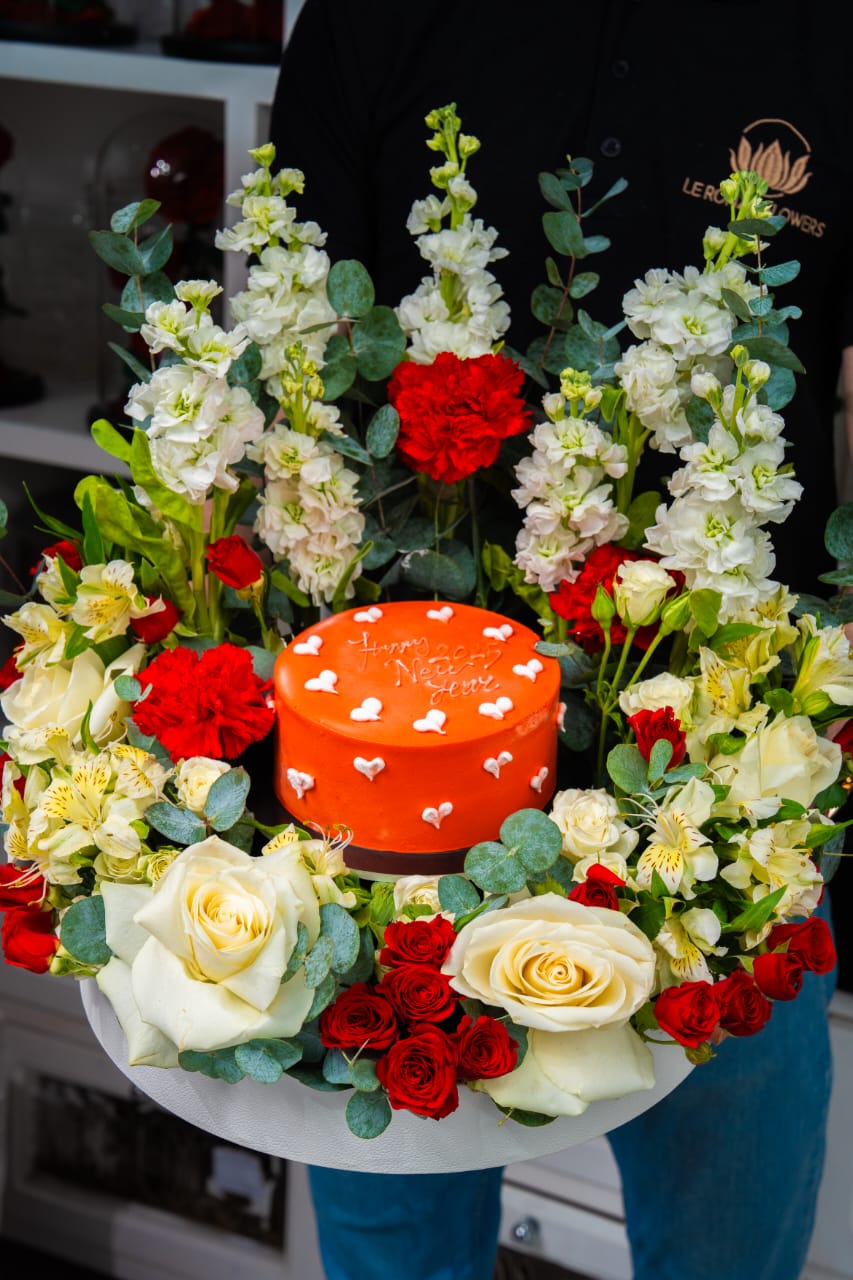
(9, 672)
(573, 600)
(455, 413)
(203, 704)
(361, 1017)
(154, 627)
(28, 939)
(69, 551)
(649, 726)
(810, 941)
(778, 974)
(419, 993)
(599, 888)
(20, 887)
(417, 942)
(419, 1073)
(844, 736)
(743, 1009)
(689, 1012)
(485, 1048)
(234, 562)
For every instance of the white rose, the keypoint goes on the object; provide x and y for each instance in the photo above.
(563, 1072)
(660, 691)
(639, 589)
(784, 759)
(419, 891)
(591, 824)
(554, 964)
(205, 950)
(194, 778)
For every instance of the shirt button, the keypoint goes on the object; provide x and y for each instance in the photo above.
(611, 147)
(620, 68)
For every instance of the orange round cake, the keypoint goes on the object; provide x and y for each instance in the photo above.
(420, 726)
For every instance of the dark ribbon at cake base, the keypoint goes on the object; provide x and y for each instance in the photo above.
(390, 862)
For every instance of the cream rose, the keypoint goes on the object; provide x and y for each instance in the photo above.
(46, 707)
(204, 951)
(554, 964)
(591, 825)
(639, 589)
(660, 691)
(194, 777)
(784, 759)
(563, 1072)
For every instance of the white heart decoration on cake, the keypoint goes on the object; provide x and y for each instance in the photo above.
(368, 615)
(530, 670)
(301, 782)
(435, 816)
(369, 768)
(561, 716)
(369, 710)
(502, 632)
(494, 764)
(312, 645)
(323, 683)
(432, 722)
(444, 614)
(538, 781)
(496, 710)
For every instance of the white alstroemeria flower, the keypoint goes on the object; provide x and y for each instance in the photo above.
(686, 940)
(677, 849)
(108, 599)
(759, 653)
(824, 667)
(591, 824)
(43, 632)
(776, 857)
(722, 702)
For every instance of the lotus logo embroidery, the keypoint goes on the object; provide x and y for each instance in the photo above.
(767, 147)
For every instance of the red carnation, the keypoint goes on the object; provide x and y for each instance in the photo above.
(417, 942)
(20, 887)
(419, 1073)
(28, 938)
(778, 974)
(454, 413)
(599, 888)
(203, 704)
(743, 1008)
(361, 1017)
(234, 562)
(419, 993)
(689, 1012)
(649, 726)
(154, 627)
(485, 1047)
(809, 940)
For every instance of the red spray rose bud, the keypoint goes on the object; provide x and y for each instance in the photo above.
(599, 888)
(778, 974)
(417, 942)
(69, 551)
(743, 1008)
(419, 1073)
(9, 673)
(689, 1012)
(649, 726)
(809, 940)
(153, 627)
(20, 887)
(234, 562)
(360, 1017)
(486, 1049)
(28, 938)
(419, 993)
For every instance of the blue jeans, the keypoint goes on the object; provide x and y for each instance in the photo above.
(720, 1179)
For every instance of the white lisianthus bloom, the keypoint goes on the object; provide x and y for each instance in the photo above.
(783, 759)
(824, 667)
(677, 849)
(194, 777)
(554, 964)
(108, 599)
(685, 941)
(43, 632)
(663, 690)
(639, 590)
(591, 824)
(204, 952)
(45, 709)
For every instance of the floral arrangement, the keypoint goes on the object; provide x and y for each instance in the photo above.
(329, 448)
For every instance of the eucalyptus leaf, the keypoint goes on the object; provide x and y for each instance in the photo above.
(838, 536)
(379, 343)
(324, 994)
(318, 962)
(534, 836)
(368, 1114)
(494, 869)
(563, 233)
(133, 215)
(349, 288)
(83, 931)
(221, 1064)
(457, 895)
(336, 1068)
(628, 769)
(339, 367)
(118, 252)
(131, 321)
(554, 191)
(266, 1060)
(136, 367)
(363, 1074)
(180, 825)
(432, 571)
(382, 431)
(156, 250)
(338, 926)
(226, 799)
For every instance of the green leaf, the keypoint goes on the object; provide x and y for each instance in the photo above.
(324, 994)
(339, 599)
(457, 895)
(364, 1077)
(580, 723)
(118, 252)
(131, 321)
(554, 191)
(764, 227)
(299, 951)
(134, 365)
(552, 271)
(838, 536)
(548, 304)
(583, 283)
(140, 291)
(535, 838)
(563, 233)
(180, 825)
(659, 758)
(756, 914)
(110, 440)
(336, 1068)
(781, 273)
(530, 1119)
(435, 572)
(382, 431)
(166, 500)
(700, 417)
(318, 962)
(349, 288)
(339, 928)
(133, 215)
(226, 799)
(705, 609)
(379, 342)
(221, 1064)
(266, 1060)
(128, 688)
(494, 869)
(362, 968)
(83, 931)
(596, 244)
(289, 589)
(156, 251)
(93, 543)
(368, 1114)
(773, 352)
(641, 515)
(649, 915)
(339, 367)
(628, 769)
(247, 367)
(736, 304)
(347, 447)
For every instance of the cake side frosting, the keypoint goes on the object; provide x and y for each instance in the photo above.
(419, 725)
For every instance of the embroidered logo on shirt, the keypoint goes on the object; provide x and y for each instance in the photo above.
(777, 152)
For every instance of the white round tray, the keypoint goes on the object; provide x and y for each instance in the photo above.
(291, 1120)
